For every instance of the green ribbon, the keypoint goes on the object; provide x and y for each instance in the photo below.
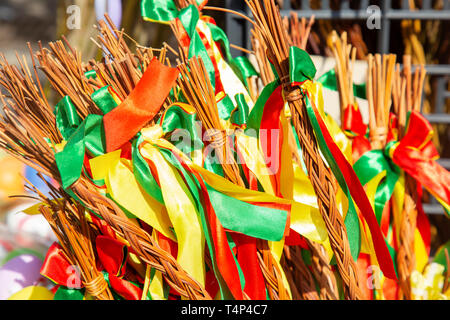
(194, 188)
(159, 10)
(143, 173)
(440, 255)
(328, 80)
(244, 69)
(232, 245)
(368, 167)
(18, 252)
(89, 135)
(176, 118)
(67, 118)
(301, 69)
(241, 113)
(104, 100)
(351, 219)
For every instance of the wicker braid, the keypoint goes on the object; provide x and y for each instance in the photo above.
(268, 21)
(323, 273)
(300, 277)
(142, 243)
(271, 273)
(405, 256)
(323, 184)
(97, 287)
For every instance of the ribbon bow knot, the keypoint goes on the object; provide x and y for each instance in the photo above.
(416, 155)
(112, 258)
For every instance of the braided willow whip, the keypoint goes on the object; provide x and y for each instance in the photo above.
(75, 236)
(300, 278)
(268, 22)
(141, 242)
(197, 89)
(407, 96)
(22, 134)
(321, 268)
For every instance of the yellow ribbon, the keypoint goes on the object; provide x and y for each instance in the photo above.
(183, 214)
(33, 293)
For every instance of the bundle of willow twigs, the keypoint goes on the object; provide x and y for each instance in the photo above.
(345, 56)
(407, 97)
(268, 23)
(176, 225)
(22, 135)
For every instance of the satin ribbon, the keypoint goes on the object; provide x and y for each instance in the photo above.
(182, 212)
(162, 11)
(144, 102)
(182, 116)
(33, 293)
(428, 285)
(356, 130)
(416, 154)
(329, 81)
(112, 7)
(67, 118)
(370, 165)
(302, 69)
(88, 136)
(112, 256)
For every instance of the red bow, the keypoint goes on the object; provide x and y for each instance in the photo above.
(416, 155)
(355, 128)
(112, 256)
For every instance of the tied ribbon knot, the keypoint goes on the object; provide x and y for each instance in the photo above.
(302, 71)
(112, 258)
(217, 138)
(416, 155)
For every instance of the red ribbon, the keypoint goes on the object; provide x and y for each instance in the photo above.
(271, 124)
(223, 254)
(423, 224)
(355, 127)
(360, 198)
(144, 102)
(112, 256)
(57, 268)
(416, 154)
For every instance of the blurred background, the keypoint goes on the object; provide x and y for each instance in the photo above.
(419, 28)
